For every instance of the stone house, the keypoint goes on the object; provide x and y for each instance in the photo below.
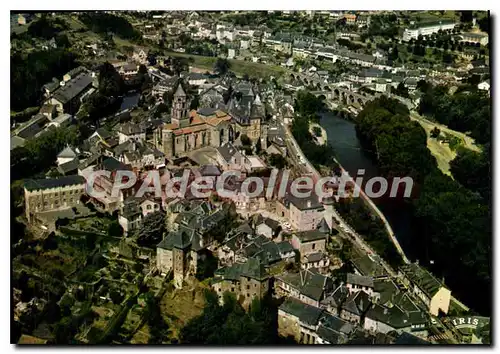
(308, 242)
(246, 280)
(355, 307)
(303, 213)
(355, 283)
(307, 286)
(435, 295)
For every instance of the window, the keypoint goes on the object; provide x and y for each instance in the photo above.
(149, 207)
(248, 287)
(232, 290)
(314, 246)
(255, 285)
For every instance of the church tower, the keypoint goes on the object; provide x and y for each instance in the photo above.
(180, 107)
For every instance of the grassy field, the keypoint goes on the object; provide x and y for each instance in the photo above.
(239, 67)
(442, 151)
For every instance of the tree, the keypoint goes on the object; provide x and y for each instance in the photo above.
(277, 160)
(110, 81)
(195, 102)
(222, 66)
(245, 140)
(258, 147)
(115, 229)
(152, 230)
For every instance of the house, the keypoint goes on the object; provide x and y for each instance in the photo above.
(74, 73)
(369, 265)
(50, 87)
(267, 227)
(475, 37)
(128, 70)
(299, 320)
(231, 158)
(381, 319)
(62, 120)
(134, 210)
(332, 302)
(303, 213)
(66, 155)
(131, 131)
(247, 281)
(424, 285)
(308, 242)
(48, 110)
(140, 55)
(52, 194)
(355, 307)
(308, 286)
(67, 98)
(317, 260)
(355, 283)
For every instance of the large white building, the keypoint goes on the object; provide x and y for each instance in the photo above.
(427, 29)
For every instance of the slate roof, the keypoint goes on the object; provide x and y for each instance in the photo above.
(227, 151)
(367, 266)
(130, 129)
(409, 339)
(67, 153)
(309, 283)
(48, 183)
(323, 227)
(70, 166)
(337, 297)
(304, 203)
(285, 247)
(103, 133)
(315, 257)
(252, 268)
(359, 280)
(305, 313)
(111, 164)
(310, 235)
(422, 278)
(357, 303)
(73, 88)
(336, 323)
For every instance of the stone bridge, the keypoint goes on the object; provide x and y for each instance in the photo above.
(341, 95)
(346, 97)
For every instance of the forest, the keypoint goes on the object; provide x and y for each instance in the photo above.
(447, 214)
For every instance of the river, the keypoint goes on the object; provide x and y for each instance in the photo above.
(341, 135)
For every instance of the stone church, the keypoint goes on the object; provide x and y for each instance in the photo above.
(190, 130)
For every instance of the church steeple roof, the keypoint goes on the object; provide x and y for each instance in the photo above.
(180, 91)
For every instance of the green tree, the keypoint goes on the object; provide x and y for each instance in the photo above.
(222, 66)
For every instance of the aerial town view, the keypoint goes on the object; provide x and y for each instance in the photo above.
(250, 177)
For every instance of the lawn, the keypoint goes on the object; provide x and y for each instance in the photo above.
(239, 67)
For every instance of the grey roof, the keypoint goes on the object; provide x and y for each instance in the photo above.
(310, 235)
(284, 247)
(330, 336)
(323, 226)
(103, 133)
(315, 257)
(359, 280)
(112, 164)
(67, 153)
(252, 268)
(304, 203)
(39, 184)
(337, 297)
(227, 151)
(336, 323)
(306, 313)
(367, 266)
(70, 166)
(180, 91)
(309, 283)
(73, 88)
(206, 111)
(422, 278)
(16, 141)
(357, 303)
